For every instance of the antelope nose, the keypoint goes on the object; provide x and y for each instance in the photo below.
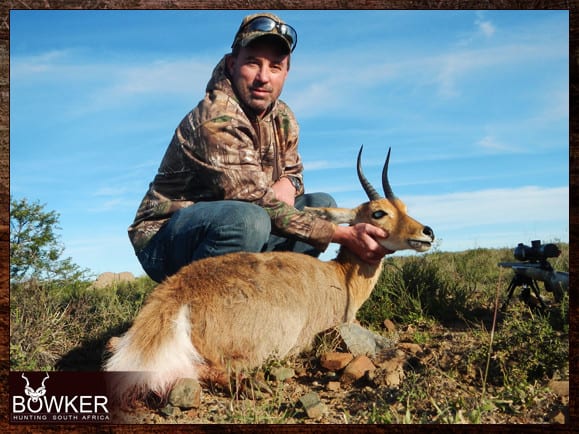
(428, 232)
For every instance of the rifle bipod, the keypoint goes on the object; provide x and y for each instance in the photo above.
(527, 285)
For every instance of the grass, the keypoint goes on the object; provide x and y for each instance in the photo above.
(54, 326)
(442, 301)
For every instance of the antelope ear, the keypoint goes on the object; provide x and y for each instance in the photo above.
(335, 215)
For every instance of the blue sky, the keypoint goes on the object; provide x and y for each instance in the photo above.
(475, 105)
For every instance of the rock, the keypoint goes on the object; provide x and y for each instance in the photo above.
(185, 394)
(108, 279)
(356, 369)
(335, 361)
(394, 378)
(282, 373)
(331, 376)
(169, 410)
(313, 405)
(361, 341)
(301, 371)
(411, 348)
(392, 362)
(389, 326)
(333, 386)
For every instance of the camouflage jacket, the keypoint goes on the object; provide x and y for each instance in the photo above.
(218, 152)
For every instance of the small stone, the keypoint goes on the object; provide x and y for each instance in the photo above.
(393, 366)
(356, 369)
(334, 361)
(185, 394)
(170, 410)
(301, 371)
(363, 342)
(394, 378)
(411, 348)
(313, 405)
(370, 376)
(392, 359)
(389, 326)
(358, 340)
(331, 376)
(333, 386)
(282, 373)
(158, 419)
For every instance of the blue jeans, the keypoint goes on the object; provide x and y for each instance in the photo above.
(216, 228)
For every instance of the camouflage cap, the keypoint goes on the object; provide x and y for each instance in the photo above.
(252, 27)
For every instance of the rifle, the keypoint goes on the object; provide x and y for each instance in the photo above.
(533, 268)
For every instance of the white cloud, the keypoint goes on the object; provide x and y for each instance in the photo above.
(110, 191)
(37, 64)
(162, 76)
(345, 84)
(110, 84)
(486, 27)
(492, 144)
(492, 207)
(312, 165)
(109, 205)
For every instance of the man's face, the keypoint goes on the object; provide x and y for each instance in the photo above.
(258, 74)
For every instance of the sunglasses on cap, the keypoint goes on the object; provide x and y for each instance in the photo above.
(266, 24)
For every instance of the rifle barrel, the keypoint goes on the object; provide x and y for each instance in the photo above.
(519, 265)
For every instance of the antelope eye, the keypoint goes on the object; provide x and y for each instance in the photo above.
(379, 214)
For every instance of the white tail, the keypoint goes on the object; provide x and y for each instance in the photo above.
(235, 311)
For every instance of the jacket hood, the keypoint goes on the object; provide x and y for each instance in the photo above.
(219, 78)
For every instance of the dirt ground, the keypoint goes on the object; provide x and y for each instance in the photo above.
(438, 386)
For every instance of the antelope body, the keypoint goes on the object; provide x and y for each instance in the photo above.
(235, 311)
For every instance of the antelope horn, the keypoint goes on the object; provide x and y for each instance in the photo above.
(27, 383)
(45, 378)
(370, 191)
(385, 182)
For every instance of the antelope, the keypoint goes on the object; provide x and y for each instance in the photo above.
(233, 312)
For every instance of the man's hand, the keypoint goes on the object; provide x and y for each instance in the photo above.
(284, 191)
(361, 239)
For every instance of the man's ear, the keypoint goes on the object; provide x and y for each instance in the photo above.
(335, 215)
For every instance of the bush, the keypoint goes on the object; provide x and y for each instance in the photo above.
(525, 348)
(421, 287)
(35, 249)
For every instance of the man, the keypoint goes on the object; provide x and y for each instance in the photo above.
(231, 178)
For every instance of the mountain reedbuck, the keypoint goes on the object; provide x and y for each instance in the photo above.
(233, 312)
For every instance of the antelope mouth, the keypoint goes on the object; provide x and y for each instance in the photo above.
(419, 244)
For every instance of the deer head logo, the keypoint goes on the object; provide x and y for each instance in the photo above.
(35, 395)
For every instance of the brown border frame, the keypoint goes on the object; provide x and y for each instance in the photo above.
(5, 7)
